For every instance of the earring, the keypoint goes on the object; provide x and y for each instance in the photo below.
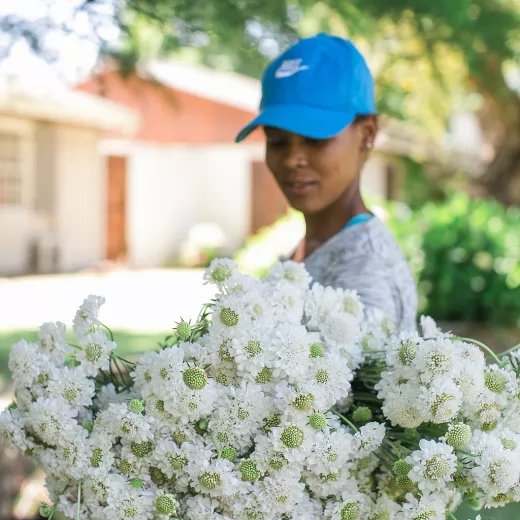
(369, 145)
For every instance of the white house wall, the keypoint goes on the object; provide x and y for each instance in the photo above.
(161, 202)
(18, 222)
(170, 189)
(80, 203)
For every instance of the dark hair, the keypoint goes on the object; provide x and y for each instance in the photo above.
(361, 118)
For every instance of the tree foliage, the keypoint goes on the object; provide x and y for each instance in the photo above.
(429, 56)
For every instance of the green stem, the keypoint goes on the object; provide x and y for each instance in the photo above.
(342, 417)
(481, 345)
(109, 331)
(452, 516)
(78, 510)
(466, 453)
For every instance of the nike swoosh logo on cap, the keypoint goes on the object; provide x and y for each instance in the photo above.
(289, 68)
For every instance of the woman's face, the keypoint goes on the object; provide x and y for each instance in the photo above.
(313, 173)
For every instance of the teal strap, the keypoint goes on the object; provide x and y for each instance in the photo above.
(358, 219)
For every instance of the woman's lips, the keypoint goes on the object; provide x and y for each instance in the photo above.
(301, 187)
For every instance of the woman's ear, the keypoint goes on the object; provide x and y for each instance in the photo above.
(369, 128)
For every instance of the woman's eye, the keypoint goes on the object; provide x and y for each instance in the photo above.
(316, 142)
(275, 143)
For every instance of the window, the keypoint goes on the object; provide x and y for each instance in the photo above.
(10, 169)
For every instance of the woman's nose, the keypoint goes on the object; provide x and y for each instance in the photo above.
(295, 156)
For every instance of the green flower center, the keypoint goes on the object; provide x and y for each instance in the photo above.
(166, 505)
(407, 352)
(437, 467)
(243, 414)
(221, 273)
(322, 377)
(210, 480)
(97, 456)
(195, 378)
(136, 406)
(93, 352)
(223, 352)
(229, 317)
(265, 375)
(141, 449)
(292, 437)
(318, 421)
(459, 436)
(350, 511)
(304, 402)
(183, 330)
(253, 348)
(316, 350)
(177, 461)
(249, 471)
(495, 381)
(229, 453)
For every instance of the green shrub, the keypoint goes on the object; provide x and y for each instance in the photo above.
(464, 253)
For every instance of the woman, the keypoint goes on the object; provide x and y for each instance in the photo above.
(318, 114)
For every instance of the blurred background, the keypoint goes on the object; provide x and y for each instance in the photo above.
(119, 175)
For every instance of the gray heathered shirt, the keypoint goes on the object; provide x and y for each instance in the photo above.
(366, 257)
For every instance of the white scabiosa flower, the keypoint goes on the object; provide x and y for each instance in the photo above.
(331, 451)
(73, 386)
(329, 380)
(368, 439)
(199, 507)
(437, 357)
(292, 272)
(86, 319)
(496, 471)
(351, 508)
(280, 492)
(294, 441)
(219, 271)
(142, 373)
(429, 506)
(134, 427)
(441, 400)
(52, 420)
(95, 355)
(214, 478)
(128, 504)
(287, 302)
(165, 369)
(52, 341)
(430, 330)
(384, 509)
(336, 483)
(433, 465)
(402, 353)
(12, 431)
(26, 362)
(108, 395)
(251, 350)
(402, 406)
(292, 347)
(239, 415)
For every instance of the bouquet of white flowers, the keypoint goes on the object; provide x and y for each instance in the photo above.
(283, 401)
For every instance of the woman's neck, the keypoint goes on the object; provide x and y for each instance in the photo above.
(322, 226)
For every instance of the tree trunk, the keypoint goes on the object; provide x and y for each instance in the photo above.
(501, 180)
(500, 121)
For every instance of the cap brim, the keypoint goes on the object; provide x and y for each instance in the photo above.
(314, 123)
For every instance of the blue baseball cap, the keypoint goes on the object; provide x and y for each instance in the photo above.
(316, 88)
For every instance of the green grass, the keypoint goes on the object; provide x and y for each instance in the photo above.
(129, 345)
